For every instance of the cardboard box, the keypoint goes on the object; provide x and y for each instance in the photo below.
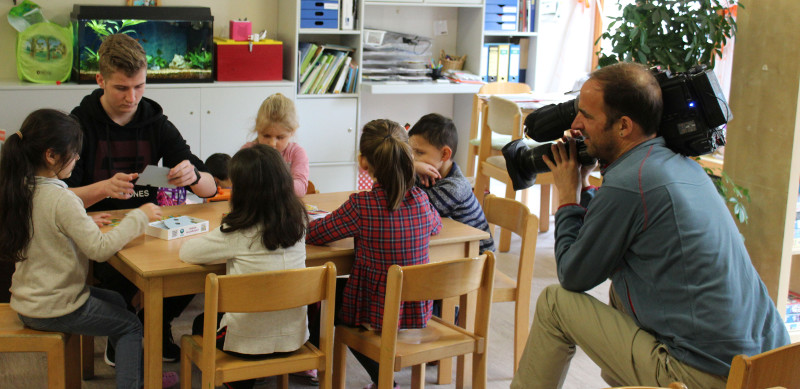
(160, 230)
(246, 61)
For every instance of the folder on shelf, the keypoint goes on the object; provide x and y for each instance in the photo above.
(312, 64)
(502, 63)
(326, 63)
(524, 43)
(491, 71)
(337, 88)
(347, 12)
(484, 72)
(306, 51)
(513, 63)
(333, 71)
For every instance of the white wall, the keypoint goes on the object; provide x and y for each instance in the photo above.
(263, 14)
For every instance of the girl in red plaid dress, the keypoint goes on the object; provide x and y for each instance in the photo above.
(392, 224)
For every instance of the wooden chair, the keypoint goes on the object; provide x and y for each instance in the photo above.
(439, 340)
(262, 292)
(62, 349)
(770, 369)
(504, 116)
(498, 141)
(515, 217)
(674, 385)
(311, 188)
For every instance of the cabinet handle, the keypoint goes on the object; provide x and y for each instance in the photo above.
(349, 130)
(208, 112)
(191, 112)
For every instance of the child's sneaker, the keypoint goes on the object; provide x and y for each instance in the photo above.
(310, 374)
(169, 379)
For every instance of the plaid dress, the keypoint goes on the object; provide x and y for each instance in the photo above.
(382, 239)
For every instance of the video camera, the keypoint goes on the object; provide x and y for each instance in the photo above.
(695, 112)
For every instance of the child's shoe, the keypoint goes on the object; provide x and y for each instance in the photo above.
(169, 379)
(310, 374)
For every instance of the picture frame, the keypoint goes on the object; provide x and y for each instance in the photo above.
(144, 3)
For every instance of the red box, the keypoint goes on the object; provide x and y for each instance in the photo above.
(240, 30)
(239, 61)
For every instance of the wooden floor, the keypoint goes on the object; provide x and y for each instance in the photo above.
(27, 370)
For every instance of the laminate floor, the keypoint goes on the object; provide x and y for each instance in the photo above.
(28, 370)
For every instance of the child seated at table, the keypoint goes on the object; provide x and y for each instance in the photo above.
(434, 140)
(392, 224)
(217, 165)
(50, 238)
(263, 232)
(276, 124)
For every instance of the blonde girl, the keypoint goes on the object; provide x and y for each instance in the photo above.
(276, 124)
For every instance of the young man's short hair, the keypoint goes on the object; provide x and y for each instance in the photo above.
(217, 165)
(438, 130)
(121, 53)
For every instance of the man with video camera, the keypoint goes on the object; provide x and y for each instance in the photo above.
(685, 298)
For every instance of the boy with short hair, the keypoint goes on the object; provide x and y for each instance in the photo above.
(434, 140)
(217, 165)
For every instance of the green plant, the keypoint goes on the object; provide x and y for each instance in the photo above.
(91, 59)
(734, 195)
(156, 61)
(673, 34)
(199, 59)
(104, 28)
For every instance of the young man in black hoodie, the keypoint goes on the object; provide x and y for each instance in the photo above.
(123, 133)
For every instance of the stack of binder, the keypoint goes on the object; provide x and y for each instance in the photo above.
(394, 56)
(326, 68)
(502, 62)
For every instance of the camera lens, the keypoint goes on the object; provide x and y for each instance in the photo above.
(550, 122)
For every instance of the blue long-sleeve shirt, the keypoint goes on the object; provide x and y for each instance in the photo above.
(660, 231)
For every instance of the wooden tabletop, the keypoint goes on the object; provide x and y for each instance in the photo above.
(150, 257)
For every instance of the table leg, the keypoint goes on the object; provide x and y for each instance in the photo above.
(153, 318)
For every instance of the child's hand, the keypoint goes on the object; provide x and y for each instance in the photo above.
(102, 219)
(119, 186)
(152, 211)
(426, 173)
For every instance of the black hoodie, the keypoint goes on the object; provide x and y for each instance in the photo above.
(109, 148)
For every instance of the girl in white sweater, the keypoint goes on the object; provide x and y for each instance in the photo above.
(264, 231)
(50, 238)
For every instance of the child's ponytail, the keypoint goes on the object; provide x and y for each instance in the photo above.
(23, 153)
(384, 144)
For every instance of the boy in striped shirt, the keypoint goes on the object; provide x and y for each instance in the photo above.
(434, 140)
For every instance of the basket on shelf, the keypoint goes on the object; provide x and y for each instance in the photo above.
(452, 62)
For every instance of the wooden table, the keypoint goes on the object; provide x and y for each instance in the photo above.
(153, 265)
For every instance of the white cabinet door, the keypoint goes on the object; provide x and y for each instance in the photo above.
(16, 104)
(182, 108)
(328, 129)
(229, 115)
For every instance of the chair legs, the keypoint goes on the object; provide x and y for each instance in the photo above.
(339, 363)
(63, 360)
(87, 357)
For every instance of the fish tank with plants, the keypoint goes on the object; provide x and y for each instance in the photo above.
(177, 40)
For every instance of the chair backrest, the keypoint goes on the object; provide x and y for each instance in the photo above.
(267, 292)
(504, 117)
(435, 281)
(517, 218)
(774, 368)
(498, 88)
(311, 188)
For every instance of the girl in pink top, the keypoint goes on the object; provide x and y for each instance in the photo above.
(276, 123)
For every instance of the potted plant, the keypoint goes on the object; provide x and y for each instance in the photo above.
(673, 34)
(677, 35)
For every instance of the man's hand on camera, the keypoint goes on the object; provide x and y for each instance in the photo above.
(566, 171)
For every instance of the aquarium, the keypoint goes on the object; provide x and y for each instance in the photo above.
(178, 40)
